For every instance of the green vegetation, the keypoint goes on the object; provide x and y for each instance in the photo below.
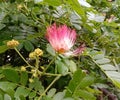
(29, 73)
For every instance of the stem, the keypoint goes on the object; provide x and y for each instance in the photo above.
(22, 56)
(50, 63)
(48, 74)
(49, 86)
(37, 62)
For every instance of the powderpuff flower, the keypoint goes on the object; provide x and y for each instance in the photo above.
(62, 40)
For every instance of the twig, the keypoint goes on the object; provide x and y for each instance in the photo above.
(49, 86)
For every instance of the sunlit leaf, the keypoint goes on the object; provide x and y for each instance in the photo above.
(108, 67)
(7, 85)
(51, 92)
(50, 50)
(7, 97)
(21, 91)
(86, 95)
(103, 61)
(59, 96)
(61, 67)
(84, 3)
(53, 2)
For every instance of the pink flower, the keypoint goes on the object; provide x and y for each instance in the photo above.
(62, 40)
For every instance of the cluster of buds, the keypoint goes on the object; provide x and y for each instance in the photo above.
(13, 43)
(36, 53)
(35, 74)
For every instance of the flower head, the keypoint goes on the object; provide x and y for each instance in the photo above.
(13, 43)
(32, 55)
(36, 53)
(62, 39)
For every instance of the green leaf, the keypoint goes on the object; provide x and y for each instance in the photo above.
(50, 50)
(98, 56)
(87, 81)
(5, 86)
(2, 26)
(51, 92)
(61, 67)
(11, 75)
(23, 78)
(7, 97)
(46, 98)
(108, 67)
(74, 83)
(103, 61)
(113, 74)
(53, 2)
(59, 96)
(19, 37)
(21, 91)
(37, 85)
(20, 46)
(32, 94)
(1, 97)
(85, 94)
(110, 70)
(77, 8)
(80, 82)
(68, 98)
(22, 97)
(28, 46)
(3, 48)
(71, 65)
(10, 92)
(2, 76)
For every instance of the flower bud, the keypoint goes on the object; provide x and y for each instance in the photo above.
(13, 43)
(31, 80)
(35, 74)
(38, 52)
(23, 68)
(32, 55)
(19, 6)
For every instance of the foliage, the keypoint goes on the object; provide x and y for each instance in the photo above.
(95, 74)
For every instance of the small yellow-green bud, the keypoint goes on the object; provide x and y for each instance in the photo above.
(38, 52)
(13, 43)
(31, 80)
(35, 74)
(23, 68)
(32, 55)
(19, 6)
